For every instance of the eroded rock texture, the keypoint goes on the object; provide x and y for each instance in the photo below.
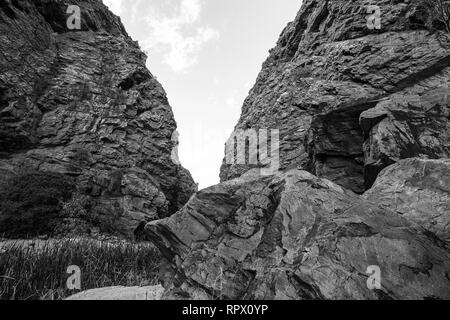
(419, 190)
(329, 71)
(349, 102)
(82, 103)
(405, 126)
(295, 236)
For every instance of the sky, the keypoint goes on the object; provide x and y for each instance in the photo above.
(207, 55)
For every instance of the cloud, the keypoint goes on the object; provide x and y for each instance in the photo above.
(114, 5)
(178, 36)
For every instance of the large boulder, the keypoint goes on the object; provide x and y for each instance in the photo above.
(296, 236)
(82, 103)
(406, 126)
(419, 190)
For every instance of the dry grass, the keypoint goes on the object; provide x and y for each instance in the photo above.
(37, 270)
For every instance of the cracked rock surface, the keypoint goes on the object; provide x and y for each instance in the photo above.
(329, 72)
(364, 145)
(419, 190)
(296, 236)
(363, 181)
(82, 103)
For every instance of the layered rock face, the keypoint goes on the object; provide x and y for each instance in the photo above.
(82, 103)
(350, 99)
(295, 236)
(359, 208)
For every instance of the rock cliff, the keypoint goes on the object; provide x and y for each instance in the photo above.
(350, 100)
(359, 208)
(419, 190)
(80, 102)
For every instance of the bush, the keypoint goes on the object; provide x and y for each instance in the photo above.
(31, 203)
(37, 270)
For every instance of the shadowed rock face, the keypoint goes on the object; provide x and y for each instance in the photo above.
(295, 236)
(329, 69)
(405, 126)
(82, 103)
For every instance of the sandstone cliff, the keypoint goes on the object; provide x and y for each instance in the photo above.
(357, 108)
(82, 103)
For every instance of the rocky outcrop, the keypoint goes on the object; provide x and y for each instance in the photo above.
(405, 126)
(350, 99)
(120, 294)
(82, 103)
(295, 236)
(419, 190)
